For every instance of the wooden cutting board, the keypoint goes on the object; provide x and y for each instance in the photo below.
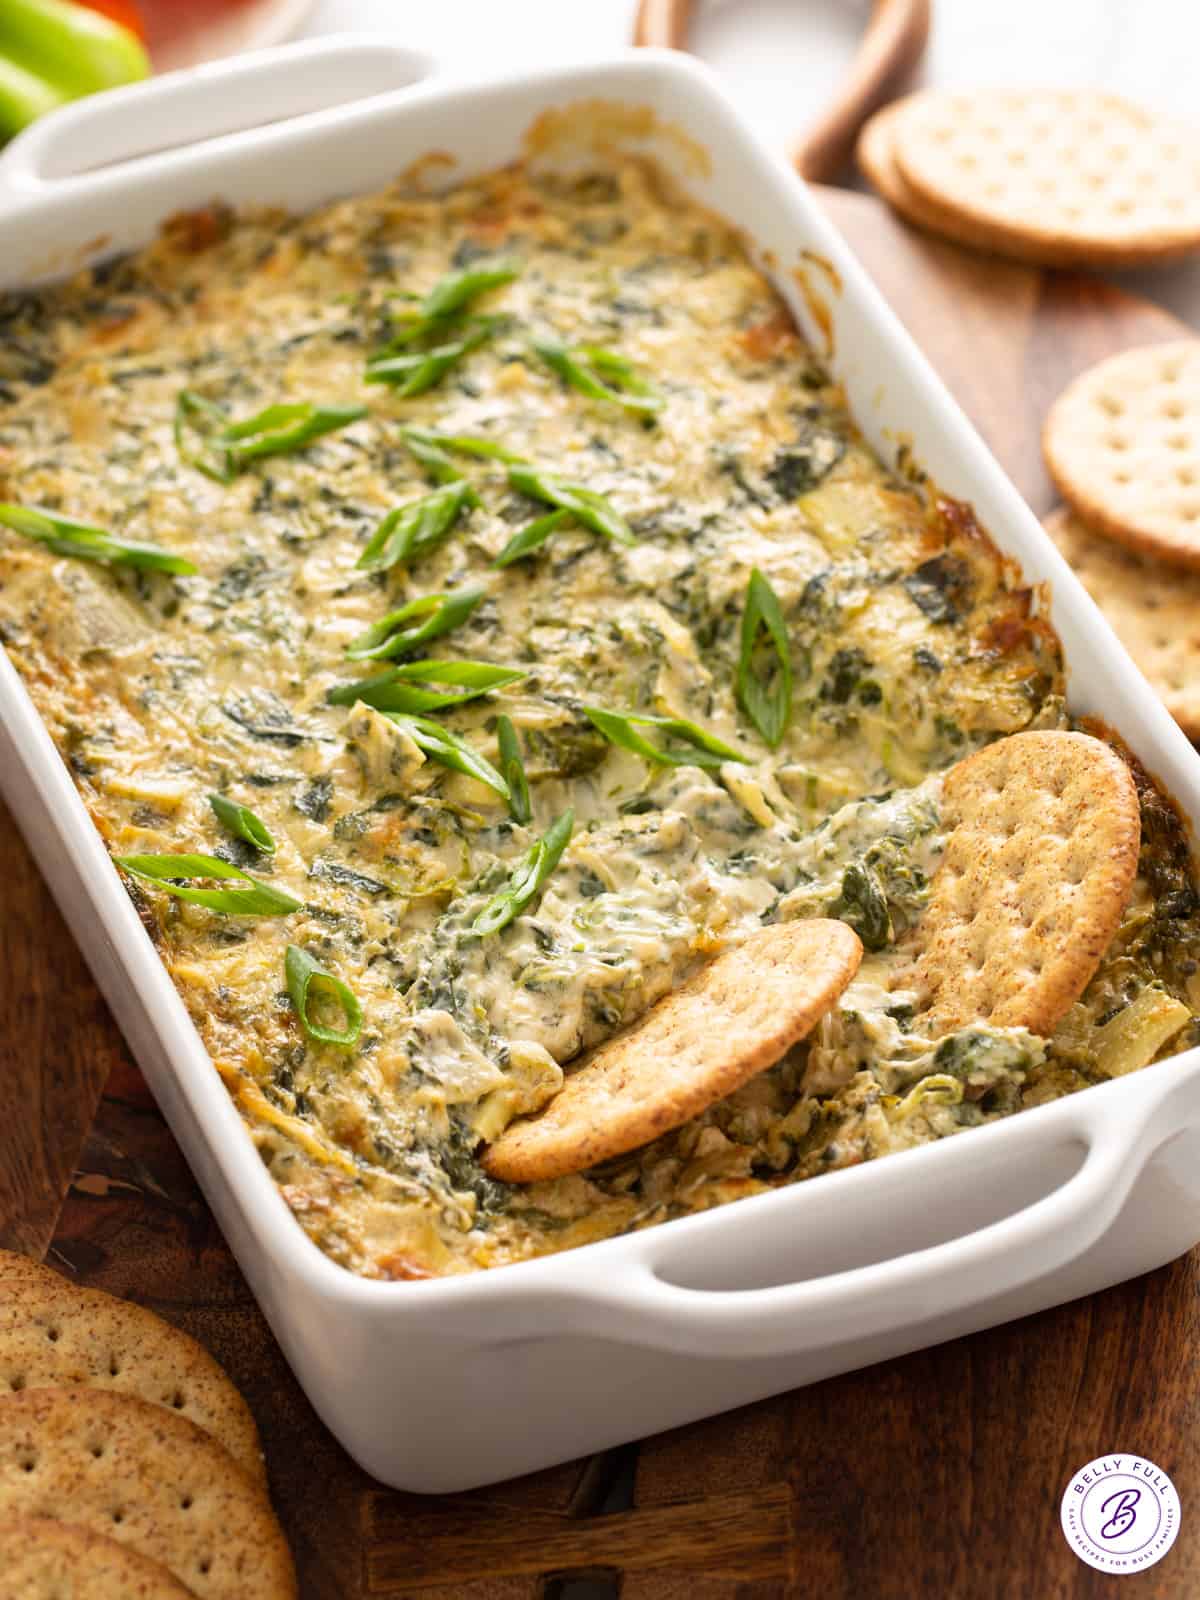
(936, 1475)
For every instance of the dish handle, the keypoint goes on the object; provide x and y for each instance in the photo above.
(677, 1299)
(229, 100)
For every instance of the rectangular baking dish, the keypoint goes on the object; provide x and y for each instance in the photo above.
(442, 1385)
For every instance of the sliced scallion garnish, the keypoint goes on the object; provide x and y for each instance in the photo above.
(199, 424)
(527, 877)
(401, 688)
(430, 454)
(280, 429)
(417, 527)
(242, 823)
(764, 686)
(66, 537)
(412, 372)
(532, 537)
(463, 444)
(429, 616)
(430, 339)
(513, 769)
(699, 748)
(601, 375)
(173, 873)
(457, 290)
(586, 505)
(222, 447)
(307, 979)
(449, 750)
(448, 299)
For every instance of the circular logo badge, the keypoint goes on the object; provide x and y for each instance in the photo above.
(1120, 1513)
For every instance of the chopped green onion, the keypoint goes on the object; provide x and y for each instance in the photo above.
(594, 510)
(414, 372)
(513, 769)
(398, 689)
(279, 429)
(457, 290)
(242, 823)
(531, 537)
(601, 375)
(527, 877)
(307, 978)
(416, 528)
(434, 459)
(449, 750)
(203, 421)
(449, 297)
(463, 444)
(700, 749)
(431, 615)
(66, 537)
(226, 447)
(261, 900)
(766, 695)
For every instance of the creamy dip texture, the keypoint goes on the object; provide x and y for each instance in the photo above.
(910, 643)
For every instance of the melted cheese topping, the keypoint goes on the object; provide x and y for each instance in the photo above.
(911, 644)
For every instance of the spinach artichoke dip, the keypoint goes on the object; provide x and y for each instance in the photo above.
(486, 604)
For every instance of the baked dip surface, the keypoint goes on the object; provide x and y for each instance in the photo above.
(719, 449)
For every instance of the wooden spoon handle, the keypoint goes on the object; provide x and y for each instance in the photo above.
(662, 24)
(891, 47)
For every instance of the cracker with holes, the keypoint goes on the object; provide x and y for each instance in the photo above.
(1154, 611)
(1057, 177)
(149, 1479)
(732, 1020)
(14, 1266)
(876, 155)
(1123, 445)
(1039, 864)
(43, 1559)
(53, 1334)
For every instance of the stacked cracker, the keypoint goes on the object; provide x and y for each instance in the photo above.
(1059, 178)
(129, 1464)
(1077, 178)
(1123, 446)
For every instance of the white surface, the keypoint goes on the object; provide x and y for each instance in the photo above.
(445, 1384)
(779, 58)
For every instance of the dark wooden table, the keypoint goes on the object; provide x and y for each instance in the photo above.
(937, 1475)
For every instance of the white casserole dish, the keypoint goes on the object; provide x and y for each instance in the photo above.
(446, 1384)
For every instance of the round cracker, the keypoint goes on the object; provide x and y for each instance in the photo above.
(54, 1334)
(148, 1478)
(1039, 864)
(876, 155)
(46, 1560)
(1154, 611)
(698, 1044)
(14, 1266)
(1122, 443)
(1061, 177)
